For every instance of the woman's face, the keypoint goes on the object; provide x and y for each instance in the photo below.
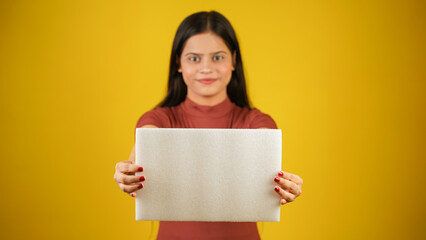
(206, 65)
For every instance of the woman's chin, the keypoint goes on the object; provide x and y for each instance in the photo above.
(207, 97)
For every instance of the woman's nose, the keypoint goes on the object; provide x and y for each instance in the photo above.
(206, 66)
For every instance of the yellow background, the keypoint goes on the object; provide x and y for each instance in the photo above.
(344, 80)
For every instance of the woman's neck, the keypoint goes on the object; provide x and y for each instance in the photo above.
(207, 101)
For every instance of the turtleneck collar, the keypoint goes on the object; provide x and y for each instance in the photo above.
(218, 110)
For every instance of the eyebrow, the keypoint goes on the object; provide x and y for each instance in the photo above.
(193, 53)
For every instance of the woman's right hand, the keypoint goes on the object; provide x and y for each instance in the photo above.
(125, 173)
(126, 179)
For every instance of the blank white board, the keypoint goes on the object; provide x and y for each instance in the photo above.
(208, 174)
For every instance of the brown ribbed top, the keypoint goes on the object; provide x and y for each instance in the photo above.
(190, 115)
(223, 115)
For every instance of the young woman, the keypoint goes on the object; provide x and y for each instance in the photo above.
(206, 89)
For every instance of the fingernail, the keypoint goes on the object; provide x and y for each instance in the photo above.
(140, 186)
(142, 178)
(281, 173)
(277, 179)
(132, 194)
(277, 189)
(140, 169)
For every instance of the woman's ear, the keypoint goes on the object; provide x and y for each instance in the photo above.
(234, 60)
(178, 64)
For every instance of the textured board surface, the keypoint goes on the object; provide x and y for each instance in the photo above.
(208, 174)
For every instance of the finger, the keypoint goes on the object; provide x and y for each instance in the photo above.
(283, 201)
(128, 179)
(289, 186)
(292, 177)
(130, 188)
(287, 196)
(128, 167)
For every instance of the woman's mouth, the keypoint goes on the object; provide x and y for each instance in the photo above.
(207, 80)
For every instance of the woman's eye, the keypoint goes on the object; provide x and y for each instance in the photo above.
(194, 59)
(217, 58)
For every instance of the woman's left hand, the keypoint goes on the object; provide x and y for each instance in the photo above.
(289, 186)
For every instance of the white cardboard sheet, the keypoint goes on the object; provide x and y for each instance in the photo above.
(208, 174)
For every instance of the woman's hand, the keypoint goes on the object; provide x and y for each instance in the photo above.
(289, 186)
(125, 173)
(126, 179)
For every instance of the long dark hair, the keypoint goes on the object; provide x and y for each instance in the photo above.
(196, 23)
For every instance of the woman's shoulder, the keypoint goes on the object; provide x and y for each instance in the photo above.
(159, 117)
(254, 118)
